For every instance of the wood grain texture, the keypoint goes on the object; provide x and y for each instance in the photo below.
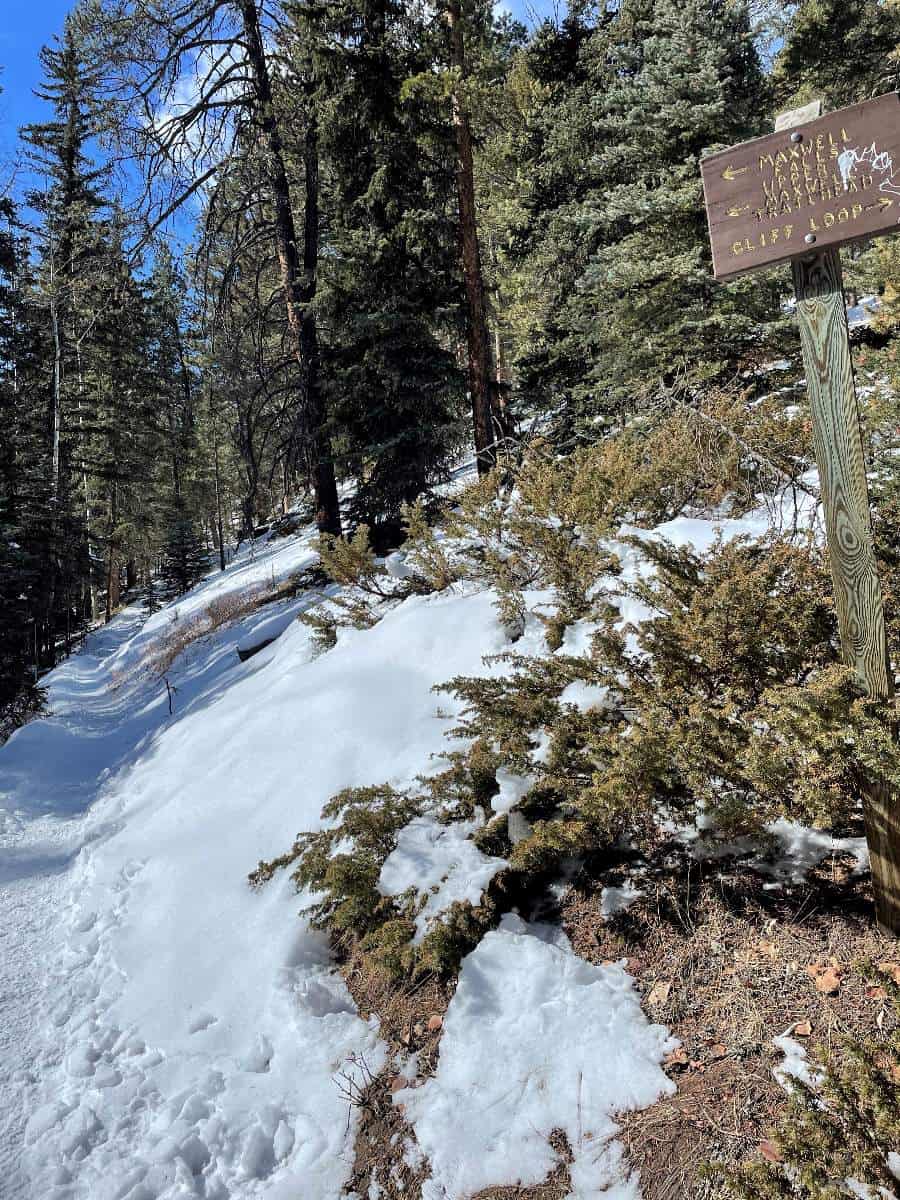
(842, 470)
(839, 453)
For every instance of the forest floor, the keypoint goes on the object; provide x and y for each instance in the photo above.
(168, 1031)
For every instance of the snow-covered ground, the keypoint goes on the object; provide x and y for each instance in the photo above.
(166, 1031)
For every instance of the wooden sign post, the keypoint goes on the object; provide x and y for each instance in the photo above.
(797, 195)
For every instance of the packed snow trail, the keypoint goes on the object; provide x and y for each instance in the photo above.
(107, 1113)
(36, 852)
(171, 1032)
(192, 1030)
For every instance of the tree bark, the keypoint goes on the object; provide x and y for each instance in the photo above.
(219, 530)
(482, 382)
(299, 289)
(112, 559)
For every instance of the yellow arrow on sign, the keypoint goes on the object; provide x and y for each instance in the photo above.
(731, 173)
(883, 202)
(736, 212)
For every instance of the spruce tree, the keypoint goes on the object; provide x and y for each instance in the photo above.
(185, 559)
(623, 254)
(390, 284)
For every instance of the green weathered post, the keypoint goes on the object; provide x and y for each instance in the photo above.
(808, 190)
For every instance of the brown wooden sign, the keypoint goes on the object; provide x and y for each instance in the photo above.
(819, 184)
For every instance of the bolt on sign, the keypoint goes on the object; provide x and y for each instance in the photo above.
(825, 182)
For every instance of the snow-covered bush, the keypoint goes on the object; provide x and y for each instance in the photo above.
(726, 704)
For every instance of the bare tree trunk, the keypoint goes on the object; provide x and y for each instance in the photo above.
(90, 602)
(112, 562)
(298, 289)
(482, 384)
(215, 429)
(57, 385)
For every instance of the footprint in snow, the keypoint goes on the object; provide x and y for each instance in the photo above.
(258, 1057)
(201, 1021)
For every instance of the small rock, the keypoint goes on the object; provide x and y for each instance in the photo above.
(435, 1021)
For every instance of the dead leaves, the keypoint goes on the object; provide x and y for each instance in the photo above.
(680, 1059)
(770, 1151)
(677, 1058)
(659, 993)
(826, 975)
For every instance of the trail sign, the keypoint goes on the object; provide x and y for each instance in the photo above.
(817, 184)
(798, 194)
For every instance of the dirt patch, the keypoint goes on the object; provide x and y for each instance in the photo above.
(410, 1016)
(722, 958)
(728, 963)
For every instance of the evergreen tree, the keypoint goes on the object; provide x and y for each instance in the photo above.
(622, 252)
(68, 203)
(185, 559)
(843, 51)
(20, 468)
(390, 287)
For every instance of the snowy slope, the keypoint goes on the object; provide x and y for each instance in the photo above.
(174, 1033)
(196, 1026)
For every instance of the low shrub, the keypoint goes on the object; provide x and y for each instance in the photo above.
(725, 707)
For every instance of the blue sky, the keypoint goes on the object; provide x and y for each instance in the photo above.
(25, 25)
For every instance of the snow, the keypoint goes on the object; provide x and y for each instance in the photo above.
(862, 312)
(795, 1064)
(804, 848)
(192, 1029)
(801, 848)
(513, 788)
(617, 899)
(534, 1039)
(442, 864)
(165, 1031)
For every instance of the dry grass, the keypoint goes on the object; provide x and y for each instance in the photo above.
(404, 1011)
(724, 962)
(223, 610)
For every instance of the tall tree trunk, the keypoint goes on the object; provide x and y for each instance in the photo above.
(482, 384)
(57, 392)
(112, 560)
(89, 587)
(298, 289)
(215, 429)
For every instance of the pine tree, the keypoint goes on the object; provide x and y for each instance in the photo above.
(20, 694)
(68, 203)
(622, 254)
(843, 51)
(390, 285)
